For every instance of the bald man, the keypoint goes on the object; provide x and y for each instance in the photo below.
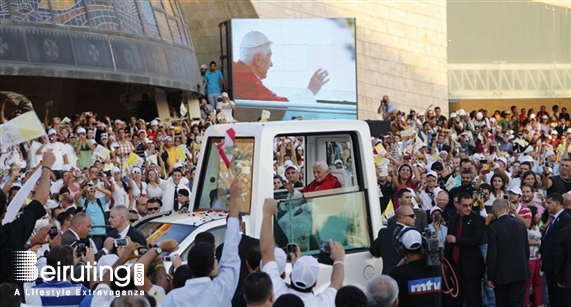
(119, 221)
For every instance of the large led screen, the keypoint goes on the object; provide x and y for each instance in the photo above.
(293, 68)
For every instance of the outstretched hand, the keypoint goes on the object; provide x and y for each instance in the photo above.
(318, 79)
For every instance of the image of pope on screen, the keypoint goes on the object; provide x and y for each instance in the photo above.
(294, 67)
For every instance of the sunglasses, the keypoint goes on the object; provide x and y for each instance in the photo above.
(412, 216)
(133, 220)
(153, 209)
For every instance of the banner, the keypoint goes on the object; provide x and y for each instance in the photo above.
(20, 129)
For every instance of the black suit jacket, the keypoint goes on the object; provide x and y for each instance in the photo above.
(68, 238)
(471, 260)
(384, 246)
(13, 236)
(246, 242)
(507, 260)
(548, 248)
(133, 233)
(563, 269)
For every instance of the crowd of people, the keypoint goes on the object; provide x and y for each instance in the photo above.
(460, 177)
(476, 180)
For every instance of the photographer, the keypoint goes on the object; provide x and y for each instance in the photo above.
(419, 284)
(386, 109)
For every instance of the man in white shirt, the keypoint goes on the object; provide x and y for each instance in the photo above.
(59, 152)
(305, 270)
(170, 189)
(71, 155)
(209, 285)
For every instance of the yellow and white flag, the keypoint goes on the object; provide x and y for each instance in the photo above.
(388, 213)
(20, 129)
(265, 115)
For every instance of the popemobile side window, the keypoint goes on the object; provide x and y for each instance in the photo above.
(330, 204)
(217, 177)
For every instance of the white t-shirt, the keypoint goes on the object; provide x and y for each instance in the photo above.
(59, 151)
(33, 158)
(226, 113)
(71, 155)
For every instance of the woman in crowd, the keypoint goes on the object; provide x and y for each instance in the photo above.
(153, 180)
(404, 179)
(498, 187)
(137, 186)
(535, 279)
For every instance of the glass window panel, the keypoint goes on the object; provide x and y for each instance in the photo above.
(70, 13)
(32, 11)
(4, 9)
(149, 21)
(217, 178)
(156, 232)
(183, 37)
(129, 15)
(168, 7)
(163, 24)
(102, 14)
(340, 217)
(175, 32)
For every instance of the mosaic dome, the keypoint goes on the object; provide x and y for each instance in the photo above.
(117, 40)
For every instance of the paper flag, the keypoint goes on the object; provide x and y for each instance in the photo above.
(388, 213)
(229, 138)
(132, 159)
(183, 110)
(153, 159)
(223, 155)
(418, 143)
(521, 142)
(65, 120)
(380, 150)
(378, 160)
(20, 129)
(101, 152)
(407, 132)
(108, 167)
(265, 115)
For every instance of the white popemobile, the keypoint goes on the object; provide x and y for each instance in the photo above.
(350, 214)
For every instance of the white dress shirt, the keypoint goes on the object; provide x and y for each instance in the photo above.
(206, 292)
(168, 187)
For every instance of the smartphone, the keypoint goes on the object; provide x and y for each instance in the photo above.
(325, 247)
(53, 232)
(141, 251)
(81, 249)
(505, 197)
(120, 242)
(167, 258)
(291, 248)
(437, 218)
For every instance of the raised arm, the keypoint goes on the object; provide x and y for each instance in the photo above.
(267, 233)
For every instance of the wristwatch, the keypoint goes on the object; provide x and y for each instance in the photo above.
(158, 249)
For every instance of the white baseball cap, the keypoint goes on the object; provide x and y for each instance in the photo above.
(203, 66)
(434, 209)
(411, 239)
(224, 95)
(154, 123)
(80, 130)
(292, 166)
(548, 153)
(433, 174)
(52, 132)
(421, 113)
(515, 189)
(304, 273)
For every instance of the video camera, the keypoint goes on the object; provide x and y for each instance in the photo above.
(431, 249)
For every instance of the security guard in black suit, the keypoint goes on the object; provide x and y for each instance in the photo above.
(559, 219)
(462, 249)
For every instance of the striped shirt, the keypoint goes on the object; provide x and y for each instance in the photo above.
(524, 212)
(55, 293)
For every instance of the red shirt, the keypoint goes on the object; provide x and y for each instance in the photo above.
(248, 86)
(330, 182)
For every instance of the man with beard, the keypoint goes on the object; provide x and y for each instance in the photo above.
(527, 193)
(466, 186)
